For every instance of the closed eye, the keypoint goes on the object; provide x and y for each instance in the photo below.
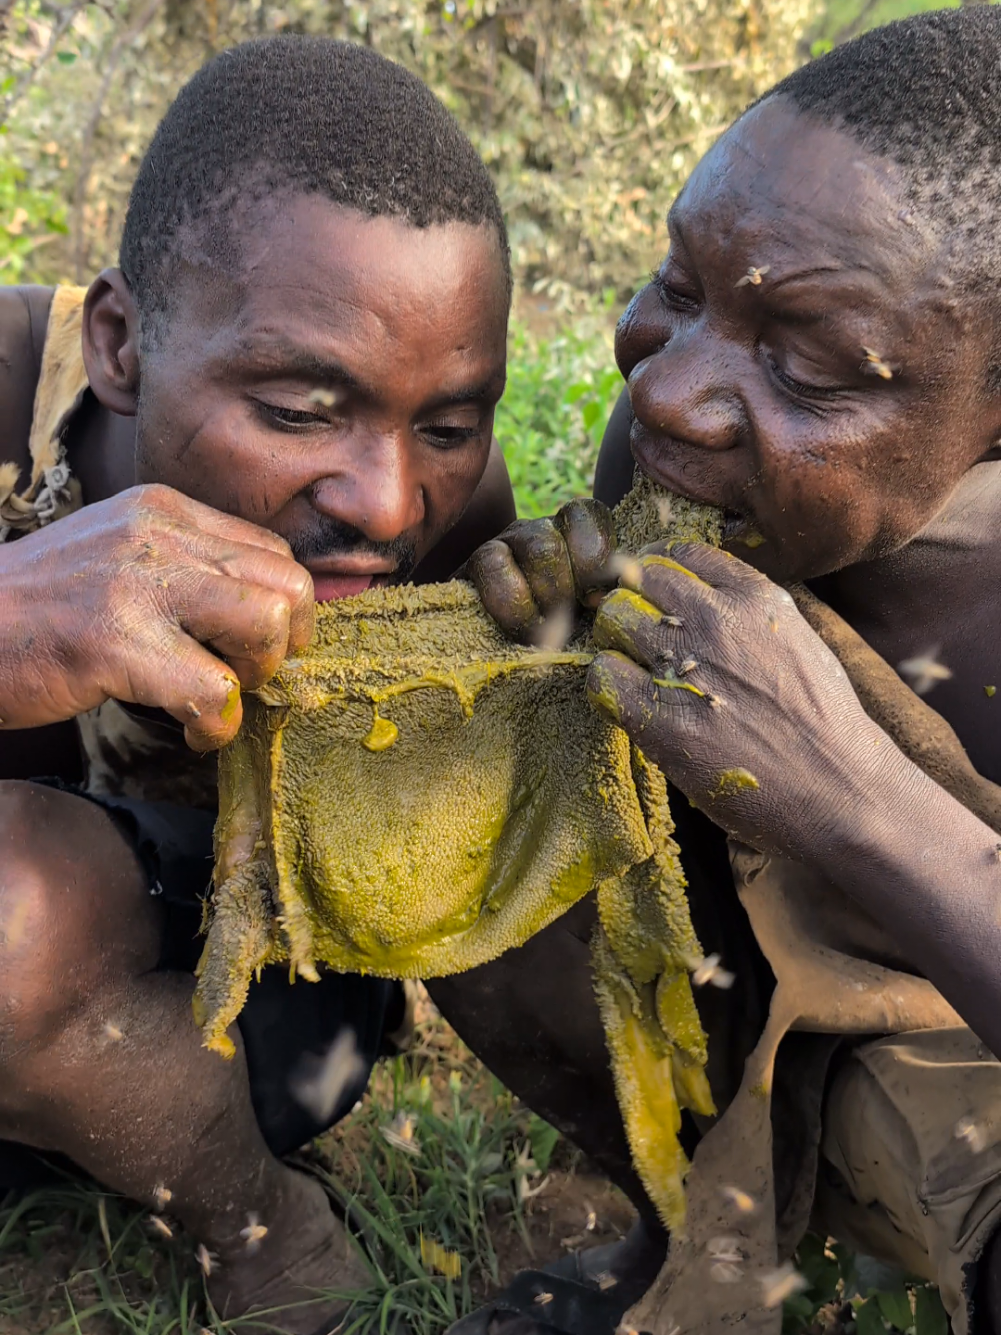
(446, 435)
(801, 388)
(670, 295)
(290, 418)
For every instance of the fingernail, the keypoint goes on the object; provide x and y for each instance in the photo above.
(232, 700)
(601, 690)
(666, 561)
(622, 616)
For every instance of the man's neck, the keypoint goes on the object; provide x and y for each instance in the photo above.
(101, 450)
(940, 595)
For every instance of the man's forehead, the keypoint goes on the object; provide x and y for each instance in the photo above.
(787, 180)
(314, 270)
(311, 241)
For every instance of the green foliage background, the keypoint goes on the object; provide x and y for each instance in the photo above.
(590, 113)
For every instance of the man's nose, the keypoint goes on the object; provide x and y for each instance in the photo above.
(375, 488)
(686, 390)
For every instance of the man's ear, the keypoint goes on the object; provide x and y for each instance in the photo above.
(111, 342)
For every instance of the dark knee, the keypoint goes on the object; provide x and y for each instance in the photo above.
(73, 910)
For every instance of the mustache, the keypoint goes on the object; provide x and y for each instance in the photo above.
(325, 536)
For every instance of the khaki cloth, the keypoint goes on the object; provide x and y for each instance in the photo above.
(892, 1145)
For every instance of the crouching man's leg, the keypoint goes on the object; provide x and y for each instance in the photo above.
(101, 1061)
(532, 1019)
(910, 1167)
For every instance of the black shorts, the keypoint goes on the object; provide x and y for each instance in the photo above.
(283, 1024)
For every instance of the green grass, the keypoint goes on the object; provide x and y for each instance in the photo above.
(560, 392)
(77, 1260)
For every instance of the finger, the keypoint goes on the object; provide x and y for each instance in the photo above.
(237, 547)
(632, 625)
(539, 549)
(253, 570)
(680, 595)
(589, 534)
(246, 623)
(718, 568)
(174, 506)
(621, 690)
(503, 588)
(171, 671)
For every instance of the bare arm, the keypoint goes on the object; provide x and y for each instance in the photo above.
(764, 732)
(24, 313)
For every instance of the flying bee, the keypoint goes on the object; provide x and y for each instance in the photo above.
(326, 398)
(924, 672)
(112, 1032)
(205, 1259)
(160, 1226)
(742, 1201)
(162, 1196)
(725, 1250)
(543, 1299)
(626, 569)
(972, 1132)
(778, 1285)
(876, 363)
(709, 970)
(253, 1233)
(753, 276)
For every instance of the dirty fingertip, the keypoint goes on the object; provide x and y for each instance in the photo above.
(605, 680)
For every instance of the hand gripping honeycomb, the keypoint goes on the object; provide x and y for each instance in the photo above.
(414, 794)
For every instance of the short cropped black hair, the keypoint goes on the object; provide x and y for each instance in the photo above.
(300, 115)
(925, 93)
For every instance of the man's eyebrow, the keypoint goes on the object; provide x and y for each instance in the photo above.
(821, 270)
(280, 357)
(480, 393)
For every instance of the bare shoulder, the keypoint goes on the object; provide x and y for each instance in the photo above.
(24, 314)
(613, 475)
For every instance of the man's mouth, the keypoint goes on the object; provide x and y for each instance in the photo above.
(735, 525)
(329, 585)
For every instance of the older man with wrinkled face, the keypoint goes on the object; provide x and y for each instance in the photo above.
(817, 355)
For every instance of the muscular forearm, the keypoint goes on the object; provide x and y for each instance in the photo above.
(721, 682)
(923, 866)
